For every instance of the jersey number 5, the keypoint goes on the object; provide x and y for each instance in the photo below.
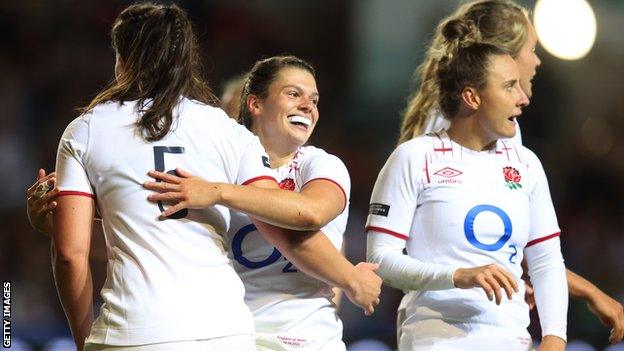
(159, 165)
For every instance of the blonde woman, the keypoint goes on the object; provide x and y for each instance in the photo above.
(506, 25)
(467, 210)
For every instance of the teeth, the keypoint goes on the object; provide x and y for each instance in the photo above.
(300, 119)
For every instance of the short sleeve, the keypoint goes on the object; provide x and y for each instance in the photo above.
(543, 220)
(327, 167)
(394, 198)
(253, 161)
(71, 171)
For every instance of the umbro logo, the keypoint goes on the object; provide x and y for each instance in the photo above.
(448, 174)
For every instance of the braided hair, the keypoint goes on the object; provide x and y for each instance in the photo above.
(160, 64)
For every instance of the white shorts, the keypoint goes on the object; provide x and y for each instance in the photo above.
(235, 342)
(438, 335)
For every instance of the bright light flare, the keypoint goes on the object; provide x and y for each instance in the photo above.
(565, 28)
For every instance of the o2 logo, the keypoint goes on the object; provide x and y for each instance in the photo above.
(508, 228)
(237, 250)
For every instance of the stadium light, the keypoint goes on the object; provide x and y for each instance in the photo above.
(565, 28)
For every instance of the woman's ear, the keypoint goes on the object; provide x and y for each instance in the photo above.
(470, 97)
(254, 105)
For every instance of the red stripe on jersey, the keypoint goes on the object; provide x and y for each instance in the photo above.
(247, 182)
(333, 181)
(442, 149)
(72, 192)
(544, 238)
(387, 231)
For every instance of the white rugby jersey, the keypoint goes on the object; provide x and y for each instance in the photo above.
(170, 279)
(463, 208)
(436, 123)
(280, 296)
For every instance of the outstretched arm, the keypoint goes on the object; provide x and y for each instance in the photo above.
(609, 311)
(314, 254)
(319, 202)
(602, 305)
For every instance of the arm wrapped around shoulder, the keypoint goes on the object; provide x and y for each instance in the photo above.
(402, 271)
(548, 276)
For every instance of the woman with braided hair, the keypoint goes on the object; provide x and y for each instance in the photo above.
(468, 210)
(170, 284)
(160, 291)
(506, 25)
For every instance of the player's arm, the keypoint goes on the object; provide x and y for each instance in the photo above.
(319, 201)
(548, 277)
(602, 305)
(607, 309)
(336, 290)
(314, 254)
(71, 240)
(39, 208)
(408, 273)
(40, 202)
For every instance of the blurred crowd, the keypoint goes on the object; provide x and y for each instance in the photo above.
(55, 56)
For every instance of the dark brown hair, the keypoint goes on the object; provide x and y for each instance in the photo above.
(161, 63)
(260, 77)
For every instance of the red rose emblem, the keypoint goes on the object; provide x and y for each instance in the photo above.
(511, 175)
(287, 184)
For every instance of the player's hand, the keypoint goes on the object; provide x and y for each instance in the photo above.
(491, 278)
(610, 313)
(551, 343)
(183, 190)
(365, 288)
(529, 295)
(40, 200)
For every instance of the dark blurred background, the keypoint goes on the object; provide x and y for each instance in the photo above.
(55, 56)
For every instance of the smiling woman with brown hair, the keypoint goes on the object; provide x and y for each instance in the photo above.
(292, 311)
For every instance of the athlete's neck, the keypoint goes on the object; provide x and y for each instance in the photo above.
(280, 151)
(278, 159)
(466, 131)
